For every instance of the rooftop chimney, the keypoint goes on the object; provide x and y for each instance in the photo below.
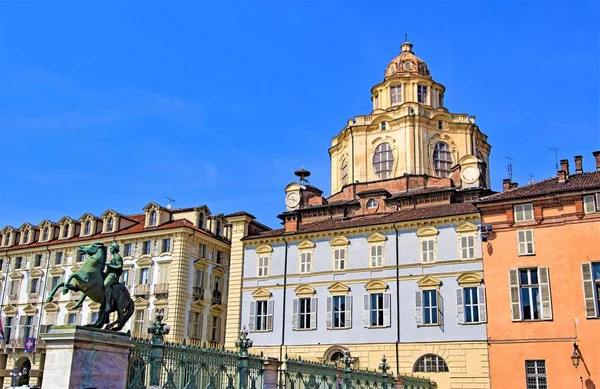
(578, 164)
(514, 185)
(505, 184)
(597, 156)
(562, 176)
(564, 165)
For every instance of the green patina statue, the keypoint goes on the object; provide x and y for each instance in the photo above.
(100, 286)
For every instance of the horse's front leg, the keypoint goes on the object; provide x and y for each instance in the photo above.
(67, 284)
(53, 292)
(80, 302)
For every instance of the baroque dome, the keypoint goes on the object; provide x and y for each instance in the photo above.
(405, 63)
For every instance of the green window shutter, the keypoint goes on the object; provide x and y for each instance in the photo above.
(515, 294)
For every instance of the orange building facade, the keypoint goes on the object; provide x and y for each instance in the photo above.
(542, 273)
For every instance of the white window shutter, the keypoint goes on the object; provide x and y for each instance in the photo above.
(546, 298)
(313, 313)
(515, 294)
(200, 325)
(481, 302)
(270, 308)
(329, 311)
(295, 314)
(150, 275)
(419, 307)
(460, 308)
(440, 303)
(78, 322)
(155, 247)
(251, 317)
(588, 204)
(521, 241)
(387, 311)
(348, 312)
(34, 323)
(588, 290)
(366, 309)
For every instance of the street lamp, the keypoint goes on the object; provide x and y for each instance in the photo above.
(15, 374)
(576, 357)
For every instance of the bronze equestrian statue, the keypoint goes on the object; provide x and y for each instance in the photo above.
(101, 286)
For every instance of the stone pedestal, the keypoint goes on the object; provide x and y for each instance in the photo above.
(85, 358)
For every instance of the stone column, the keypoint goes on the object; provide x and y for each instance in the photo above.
(85, 358)
(270, 374)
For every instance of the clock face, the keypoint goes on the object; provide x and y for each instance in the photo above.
(292, 199)
(470, 174)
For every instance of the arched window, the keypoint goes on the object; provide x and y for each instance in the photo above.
(152, 218)
(46, 233)
(430, 363)
(336, 356)
(87, 228)
(383, 160)
(344, 172)
(371, 204)
(442, 160)
(109, 224)
(26, 236)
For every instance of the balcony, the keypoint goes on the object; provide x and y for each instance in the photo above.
(161, 288)
(33, 297)
(74, 296)
(141, 290)
(198, 292)
(216, 297)
(13, 298)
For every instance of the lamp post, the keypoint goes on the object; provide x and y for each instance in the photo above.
(15, 374)
(576, 357)
(158, 330)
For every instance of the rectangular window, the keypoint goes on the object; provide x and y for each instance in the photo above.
(530, 294)
(55, 280)
(396, 94)
(215, 333)
(376, 101)
(146, 247)
(261, 315)
(383, 126)
(202, 250)
(339, 259)
(72, 318)
(376, 255)
(339, 311)
(430, 307)
(536, 374)
(590, 274)
(127, 250)
(523, 212)
(525, 239)
(139, 322)
(81, 257)
(195, 325)
(18, 262)
(440, 125)
(37, 261)
(13, 287)
(467, 247)
(58, 258)
(304, 313)
(591, 203)
(8, 327)
(166, 245)
(35, 283)
(144, 273)
(422, 94)
(263, 266)
(199, 278)
(377, 312)
(428, 250)
(28, 327)
(219, 257)
(596, 275)
(306, 262)
(471, 305)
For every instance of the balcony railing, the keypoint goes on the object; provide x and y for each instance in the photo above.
(216, 297)
(198, 292)
(141, 290)
(161, 288)
(33, 297)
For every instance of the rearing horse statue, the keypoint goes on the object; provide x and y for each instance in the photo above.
(89, 279)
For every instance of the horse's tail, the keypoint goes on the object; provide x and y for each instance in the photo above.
(128, 311)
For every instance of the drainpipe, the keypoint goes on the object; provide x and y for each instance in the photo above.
(397, 303)
(285, 262)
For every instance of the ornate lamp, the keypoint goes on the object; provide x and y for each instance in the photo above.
(243, 343)
(158, 329)
(384, 366)
(576, 357)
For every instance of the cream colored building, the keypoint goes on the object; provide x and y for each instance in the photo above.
(176, 260)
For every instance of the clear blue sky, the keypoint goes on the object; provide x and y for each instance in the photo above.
(116, 104)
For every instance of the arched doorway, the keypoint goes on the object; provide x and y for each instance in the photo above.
(23, 365)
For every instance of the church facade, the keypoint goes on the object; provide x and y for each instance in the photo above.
(389, 264)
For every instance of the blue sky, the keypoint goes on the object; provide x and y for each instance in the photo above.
(116, 104)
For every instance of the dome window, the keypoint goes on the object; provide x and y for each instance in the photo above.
(396, 94)
(442, 160)
(422, 94)
(344, 172)
(372, 204)
(440, 125)
(383, 126)
(383, 160)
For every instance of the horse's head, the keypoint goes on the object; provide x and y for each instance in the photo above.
(96, 251)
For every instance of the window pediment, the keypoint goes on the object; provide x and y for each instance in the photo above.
(293, 187)
(75, 267)
(466, 227)
(429, 282)
(261, 294)
(338, 288)
(144, 262)
(36, 273)
(51, 308)
(218, 271)
(217, 310)
(198, 306)
(306, 245)
(71, 307)
(427, 231)
(469, 279)
(57, 271)
(30, 310)
(305, 291)
(264, 249)
(11, 310)
(200, 264)
(16, 275)
(376, 286)
(94, 306)
(339, 241)
(140, 303)
(376, 237)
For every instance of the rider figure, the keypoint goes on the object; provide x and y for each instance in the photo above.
(114, 269)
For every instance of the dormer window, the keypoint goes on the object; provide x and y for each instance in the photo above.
(26, 237)
(87, 227)
(110, 224)
(66, 231)
(422, 94)
(152, 222)
(218, 228)
(45, 234)
(372, 204)
(7, 239)
(396, 94)
(383, 160)
(201, 220)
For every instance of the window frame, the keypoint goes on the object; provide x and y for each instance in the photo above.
(262, 268)
(306, 261)
(261, 316)
(442, 167)
(340, 312)
(433, 307)
(396, 94)
(147, 247)
(435, 364)
(340, 258)
(383, 160)
(536, 375)
(524, 244)
(422, 93)
(344, 172)
(534, 300)
(462, 248)
(430, 251)
(521, 214)
(305, 313)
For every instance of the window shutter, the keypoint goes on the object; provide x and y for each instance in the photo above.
(150, 275)
(424, 251)
(546, 299)
(155, 247)
(251, 318)
(440, 303)
(200, 325)
(419, 307)
(588, 290)
(387, 303)
(190, 330)
(522, 244)
(270, 316)
(515, 294)
(366, 309)
(295, 314)
(348, 312)
(28, 290)
(460, 308)
(34, 323)
(481, 303)
(588, 204)
(529, 238)
(78, 320)
(313, 313)
(205, 279)
(329, 309)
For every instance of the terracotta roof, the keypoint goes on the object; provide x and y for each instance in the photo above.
(382, 218)
(575, 182)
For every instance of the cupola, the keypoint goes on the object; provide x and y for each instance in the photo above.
(406, 63)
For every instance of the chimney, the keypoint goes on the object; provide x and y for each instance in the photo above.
(564, 166)
(578, 164)
(597, 156)
(505, 184)
(291, 223)
(562, 176)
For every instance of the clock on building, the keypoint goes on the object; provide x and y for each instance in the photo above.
(469, 174)
(292, 200)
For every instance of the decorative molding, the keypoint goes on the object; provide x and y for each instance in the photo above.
(376, 237)
(75, 267)
(427, 231)
(71, 307)
(16, 275)
(144, 262)
(198, 306)
(217, 310)
(305, 291)
(376, 286)
(51, 308)
(466, 227)
(261, 294)
(429, 282)
(264, 249)
(10, 310)
(201, 264)
(36, 273)
(469, 279)
(338, 288)
(219, 271)
(94, 306)
(57, 271)
(339, 241)
(140, 303)
(306, 245)
(30, 310)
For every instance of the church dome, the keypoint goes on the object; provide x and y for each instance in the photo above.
(406, 63)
